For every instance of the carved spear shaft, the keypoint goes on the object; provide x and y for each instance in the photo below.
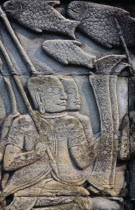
(16, 78)
(124, 45)
(17, 43)
(26, 101)
(11, 95)
(15, 113)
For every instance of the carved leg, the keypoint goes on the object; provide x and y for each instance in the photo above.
(21, 203)
(101, 203)
(73, 203)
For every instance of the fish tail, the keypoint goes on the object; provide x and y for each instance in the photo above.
(91, 62)
(71, 27)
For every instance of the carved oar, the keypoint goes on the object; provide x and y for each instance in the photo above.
(7, 122)
(101, 174)
(11, 95)
(17, 43)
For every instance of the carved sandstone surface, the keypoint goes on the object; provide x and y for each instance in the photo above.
(40, 16)
(64, 134)
(98, 22)
(68, 52)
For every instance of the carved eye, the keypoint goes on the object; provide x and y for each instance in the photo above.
(78, 6)
(70, 90)
(54, 90)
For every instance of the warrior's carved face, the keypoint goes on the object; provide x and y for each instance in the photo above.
(73, 96)
(48, 94)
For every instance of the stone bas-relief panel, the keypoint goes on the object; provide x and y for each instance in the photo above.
(67, 106)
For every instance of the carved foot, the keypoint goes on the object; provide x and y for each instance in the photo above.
(100, 203)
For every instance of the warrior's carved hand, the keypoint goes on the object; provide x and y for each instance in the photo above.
(41, 148)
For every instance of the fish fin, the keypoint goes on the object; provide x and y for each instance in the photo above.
(107, 45)
(70, 27)
(78, 43)
(92, 61)
(62, 60)
(53, 3)
(121, 66)
(36, 29)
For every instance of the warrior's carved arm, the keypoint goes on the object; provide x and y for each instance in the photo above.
(82, 156)
(15, 159)
(81, 152)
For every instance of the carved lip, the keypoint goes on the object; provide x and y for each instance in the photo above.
(62, 103)
(77, 102)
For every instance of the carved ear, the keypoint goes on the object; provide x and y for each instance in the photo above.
(38, 98)
(42, 109)
(53, 3)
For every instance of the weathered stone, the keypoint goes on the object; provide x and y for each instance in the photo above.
(29, 14)
(67, 119)
(98, 22)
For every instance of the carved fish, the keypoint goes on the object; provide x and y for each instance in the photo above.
(98, 22)
(40, 16)
(68, 52)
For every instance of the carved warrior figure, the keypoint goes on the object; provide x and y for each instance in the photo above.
(68, 52)
(73, 107)
(40, 16)
(34, 172)
(98, 22)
